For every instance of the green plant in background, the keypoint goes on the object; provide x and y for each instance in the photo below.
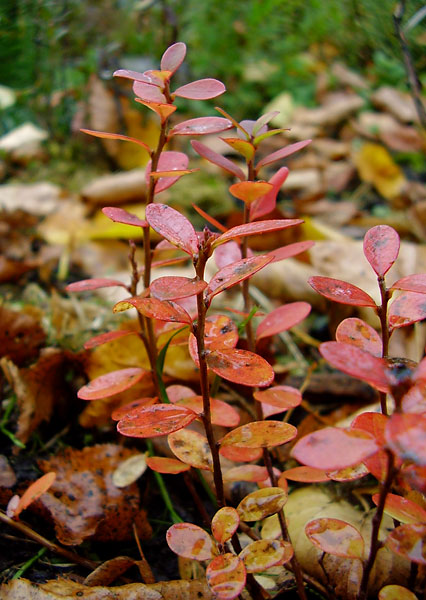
(258, 47)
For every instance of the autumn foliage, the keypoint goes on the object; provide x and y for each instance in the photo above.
(388, 445)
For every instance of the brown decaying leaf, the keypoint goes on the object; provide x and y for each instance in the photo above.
(84, 502)
(109, 571)
(37, 388)
(21, 335)
(62, 589)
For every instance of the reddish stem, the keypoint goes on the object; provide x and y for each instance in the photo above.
(382, 311)
(375, 544)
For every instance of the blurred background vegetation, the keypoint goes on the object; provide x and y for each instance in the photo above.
(259, 48)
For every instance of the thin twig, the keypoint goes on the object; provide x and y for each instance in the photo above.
(413, 80)
(33, 535)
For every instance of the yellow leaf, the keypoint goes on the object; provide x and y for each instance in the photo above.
(140, 125)
(376, 166)
(100, 227)
(124, 352)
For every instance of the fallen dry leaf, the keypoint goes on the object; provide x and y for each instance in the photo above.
(117, 188)
(336, 107)
(346, 76)
(38, 388)
(21, 335)
(110, 570)
(388, 129)
(84, 502)
(376, 166)
(397, 103)
(23, 143)
(7, 474)
(38, 199)
(62, 589)
(308, 503)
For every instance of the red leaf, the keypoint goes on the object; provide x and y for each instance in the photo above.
(336, 537)
(173, 57)
(412, 283)
(406, 436)
(179, 392)
(201, 126)
(415, 476)
(249, 191)
(224, 524)
(246, 473)
(358, 333)
(381, 248)
(241, 366)
(156, 420)
(191, 448)
(241, 454)
(281, 396)
(34, 491)
(109, 336)
(119, 215)
(420, 372)
(266, 204)
(407, 309)
(169, 161)
(116, 136)
(402, 509)
(112, 383)
(170, 466)
(172, 288)
(333, 448)
(226, 576)
(373, 423)
(136, 76)
(409, 541)
(217, 159)
(356, 362)
(148, 92)
(255, 228)
(221, 413)
(235, 273)
(282, 318)
(226, 254)
(93, 284)
(202, 89)
(260, 434)
(190, 541)
(414, 400)
(163, 310)
(341, 291)
(173, 226)
(220, 333)
(208, 218)
(291, 250)
(122, 411)
(282, 153)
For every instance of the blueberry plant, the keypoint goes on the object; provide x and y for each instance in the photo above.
(391, 448)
